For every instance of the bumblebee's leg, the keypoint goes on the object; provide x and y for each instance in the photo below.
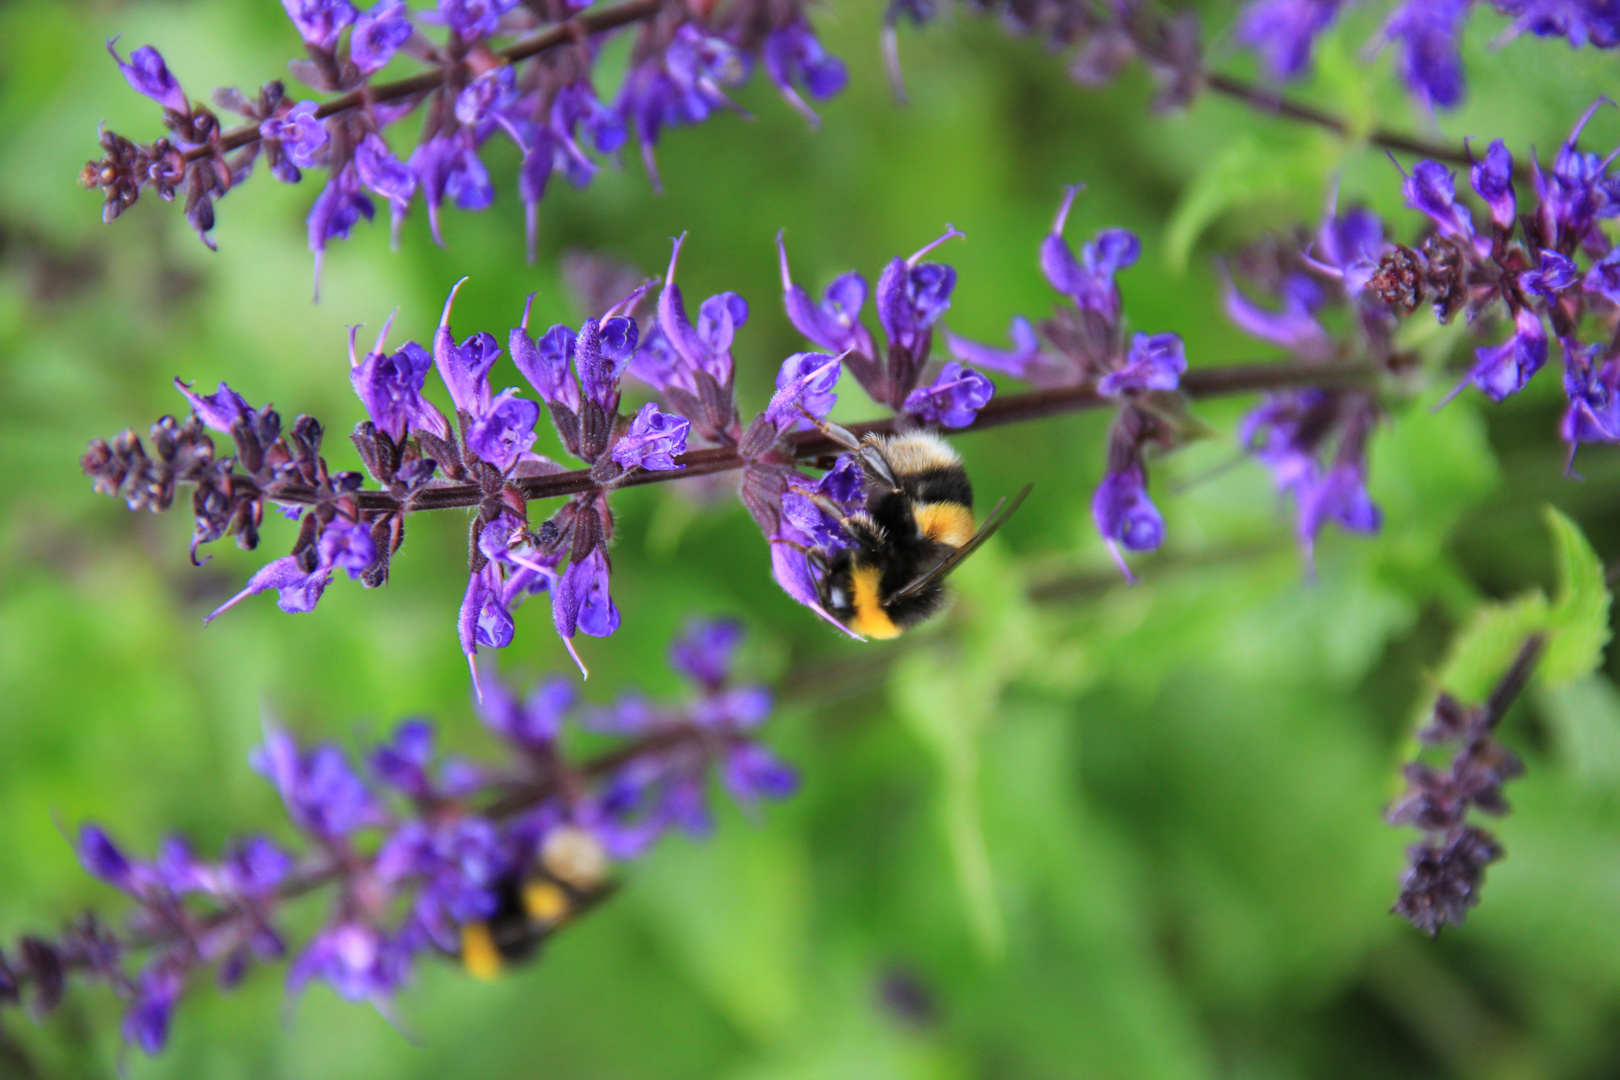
(840, 435)
(875, 463)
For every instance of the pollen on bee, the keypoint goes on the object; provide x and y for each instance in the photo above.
(479, 954)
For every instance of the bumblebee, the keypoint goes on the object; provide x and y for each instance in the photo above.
(570, 879)
(916, 528)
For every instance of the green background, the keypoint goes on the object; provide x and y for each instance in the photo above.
(1124, 832)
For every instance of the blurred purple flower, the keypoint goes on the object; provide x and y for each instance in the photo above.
(149, 75)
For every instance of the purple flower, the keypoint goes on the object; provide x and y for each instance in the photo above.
(652, 441)
(252, 867)
(339, 206)
(1284, 32)
(1432, 190)
(382, 172)
(750, 771)
(705, 649)
(1089, 281)
(954, 399)
(683, 86)
(297, 590)
(219, 410)
(806, 382)
(1341, 497)
(358, 961)
(533, 723)
(403, 761)
(487, 94)
(1492, 177)
(1555, 274)
(485, 618)
(149, 75)
(793, 54)
(502, 433)
(1295, 327)
(1594, 396)
(320, 21)
(707, 346)
(601, 353)
(465, 367)
(146, 1023)
(390, 385)
(324, 797)
(1581, 21)
(301, 135)
(1577, 192)
(458, 863)
(473, 19)
(834, 324)
(347, 545)
(1352, 245)
(1125, 515)
(102, 858)
(1429, 33)
(1604, 277)
(448, 165)
(582, 601)
(378, 34)
(1155, 362)
(1503, 370)
(912, 295)
(1016, 361)
(545, 364)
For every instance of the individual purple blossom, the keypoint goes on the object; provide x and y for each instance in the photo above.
(1016, 361)
(1432, 190)
(805, 383)
(378, 34)
(953, 399)
(297, 590)
(582, 601)
(219, 410)
(1552, 277)
(347, 545)
(149, 75)
(532, 723)
(545, 363)
(751, 772)
(682, 85)
(1340, 496)
(1592, 383)
(502, 432)
(1503, 370)
(485, 618)
(383, 173)
(301, 135)
(357, 960)
(1603, 279)
(471, 20)
(390, 386)
(1295, 326)
(705, 650)
(652, 441)
(102, 858)
(1492, 177)
(1155, 362)
(705, 347)
(1284, 32)
(146, 1022)
(320, 21)
(1351, 246)
(447, 166)
(792, 54)
(465, 367)
(1576, 192)
(1088, 281)
(912, 295)
(336, 210)
(834, 323)
(1429, 34)
(324, 797)
(1126, 516)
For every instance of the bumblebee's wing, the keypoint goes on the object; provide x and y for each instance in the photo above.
(993, 522)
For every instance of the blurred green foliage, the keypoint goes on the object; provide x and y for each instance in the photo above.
(1078, 829)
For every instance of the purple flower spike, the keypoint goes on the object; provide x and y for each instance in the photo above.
(1125, 515)
(1015, 361)
(320, 21)
(146, 1024)
(324, 797)
(149, 75)
(301, 135)
(103, 859)
(912, 295)
(834, 324)
(1430, 32)
(378, 34)
(806, 381)
(464, 368)
(1155, 362)
(705, 649)
(1492, 177)
(954, 399)
(653, 440)
(503, 432)
(1432, 190)
(1503, 370)
(793, 54)
(219, 410)
(1284, 32)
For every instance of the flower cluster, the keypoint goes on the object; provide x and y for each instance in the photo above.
(1427, 35)
(422, 854)
(1084, 344)
(1445, 871)
(1524, 267)
(1314, 440)
(537, 90)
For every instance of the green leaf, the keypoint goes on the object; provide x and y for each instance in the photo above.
(1579, 619)
(1585, 719)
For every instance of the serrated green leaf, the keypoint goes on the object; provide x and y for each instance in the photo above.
(1486, 647)
(1579, 619)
